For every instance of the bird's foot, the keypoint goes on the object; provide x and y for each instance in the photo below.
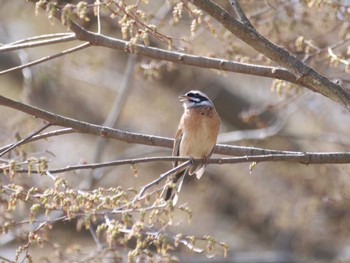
(206, 160)
(192, 160)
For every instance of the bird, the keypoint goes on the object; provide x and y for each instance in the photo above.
(195, 137)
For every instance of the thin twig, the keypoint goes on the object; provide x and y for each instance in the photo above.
(111, 163)
(47, 58)
(164, 176)
(134, 209)
(243, 18)
(336, 58)
(281, 156)
(34, 38)
(31, 44)
(325, 49)
(24, 139)
(100, 164)
(41, 136)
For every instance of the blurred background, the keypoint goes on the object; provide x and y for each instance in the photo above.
(278, 212)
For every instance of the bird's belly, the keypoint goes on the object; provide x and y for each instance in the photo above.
(197, 145)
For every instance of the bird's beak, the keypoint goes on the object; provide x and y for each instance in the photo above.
(183, 98)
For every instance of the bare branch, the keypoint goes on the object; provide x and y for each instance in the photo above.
(130, 137)
(320, 50)
(164, 176)
(47, 58)
(24, 140)
(305, 75)
(244, 19)
(297, 72)
(287, 156)
(41, 136)
(336, 58)
(111, 163)
(85, 127)
(176, 57)
(284, 156)
(30, 43)
(182, 58)
(187, 59)
(35, 38)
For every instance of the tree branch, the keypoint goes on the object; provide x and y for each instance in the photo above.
(39, 137)
(85, 127)
(130, 137)
(305, 75)
(244, 19)
(186, 59)
(164, 176)
(286, 156)
(33, 42)
(41, 60)
(24, 140)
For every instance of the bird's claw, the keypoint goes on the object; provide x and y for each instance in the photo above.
(192, 161)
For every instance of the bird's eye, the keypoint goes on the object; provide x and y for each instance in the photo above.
(190, 94)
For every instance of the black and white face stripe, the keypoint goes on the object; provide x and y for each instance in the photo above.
(196, 98)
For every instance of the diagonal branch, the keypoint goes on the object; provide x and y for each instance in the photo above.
(35, 42)
(306, 75)
(26, 139)
(39, 137)
(244, 19)
(164, 176)
(47, 58)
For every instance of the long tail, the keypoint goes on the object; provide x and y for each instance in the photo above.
(177, 180)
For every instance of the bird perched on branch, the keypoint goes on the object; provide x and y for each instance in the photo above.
(195, 137)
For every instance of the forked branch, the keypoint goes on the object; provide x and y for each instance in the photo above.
(305, 75)
(295, 70)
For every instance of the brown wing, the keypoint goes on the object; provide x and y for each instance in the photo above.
(170, 194)
(176, 147)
